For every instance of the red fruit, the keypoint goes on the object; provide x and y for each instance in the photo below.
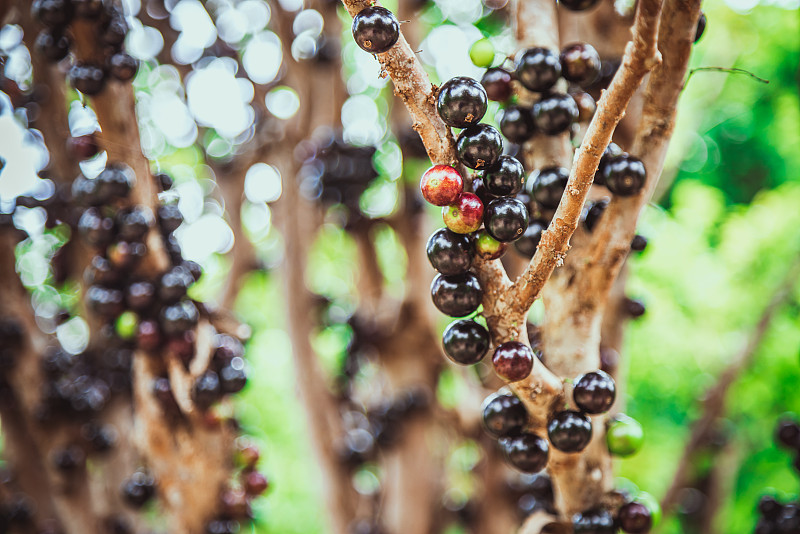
(441, 185)
(84, 146)
(148, 338)
(513, 360)
(255, 483)
(465, 215)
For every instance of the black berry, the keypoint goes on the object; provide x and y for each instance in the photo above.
(465, 341)
(115, 181)
(105, 302)
(503, 415)
(86, 78)
(634, 307)
(548, 186)
(554, 114)
(624, 175)
(138, 489)
(638, 243)
(513, 360)
(122, 66)
(174, 284)
(506, 219)
(115, 30)
(516, 124)
(610, 151)
(52, 13)
(53, 44)
(593, 522)
(701, 27)
(569, 431)
(233, 376)
(787, 433)
(375, 29)
(635, 518)
(538, 69)
(96, 230)
(133, 223)
(456, 295)
(497, 83)
(479, 146)
(462, 102)
(206, 390)
(580, 63)
(594, 392)
(504, 178)
(178, 318)
(593, 212)
(526, 452)
(528, 242)
(169, 218)
(449, 252)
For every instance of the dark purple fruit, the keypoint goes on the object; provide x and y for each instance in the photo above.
(586, 105)
(769, 507)
(526, 452)
(634, 308)
(480, 190)
(87, 9)
(548, 186)
(375, 29)
(100, 437)
(554, 114)
(635, 518)
(169, 218)
(701, 27)
(114, 182)
(537, 69)
(133, 223)
(462, 102)
(69, 458)
(593, 212)
(115, 30)
(578, 5)
(479, 146)
(105, 302)
(497, 83)
(86, 78)
(122, 66)
(227, 348)
(83, 146)
(148, 336)
(580, 63)
(506, 219)
(96, 230)
(504, 178)
(456, 295)
(174, 284)
(465, 341)
(233, 376)
(610, 151)
(624, 175)
(513, 360)
(165, 181)
(528, 242)
(569, 431)
(178, 318)
(516, 124)
(593, 522)
(594, 392)
(100, 271)
(53, 44)
(206, 390)
(52, 13)
(503, 415)
(787, 433)
(126, 254)
(449, 252)
(194, 268)
(138, 489)
(638, 243)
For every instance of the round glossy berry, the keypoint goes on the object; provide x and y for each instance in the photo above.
(569, 431)
(624, 175)
(449, 252)
(586, 105)
(206, 390)
(634, 518)
(375, 29)
(169, 218)
(610, 151)
(537, 69)
(516, 124)
(487, 247)
(479, 146)
(53, 44)
(513, 360)
(178, 318)
(133, 223)
(115, 181)
(701, 27)
(580, 63)
(578, 5)
(52, 13)
(465, 341)
(233, 376)
(526, 452)
(138, 489)
(126, 254)
(594, 392)
(787, 433)
(482, 53)
(105, 302)
(255, 483)
(140, 295)
(441, 185)
(462, 102)
(122, 66)
(548, 186)
(593, 522)
(174, 284)
(528, 242)
(769, 507)
(465, 215)
(506, 219)
(504, 178)
(503, 415)
(456, 295)
(83, 146)
(624, 436)
(96, 229)
(86, 78)
(115, 30)
(480, 190)
(593, 212)
(638, 243)
(554, 114)
(497, 83)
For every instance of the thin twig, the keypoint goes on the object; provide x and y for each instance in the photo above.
(731, 70)
(714, 399)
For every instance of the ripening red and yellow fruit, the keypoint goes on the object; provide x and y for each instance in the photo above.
(441, 185)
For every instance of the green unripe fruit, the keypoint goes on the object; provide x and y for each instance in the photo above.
(624, 436)
(487, 247)
(126, 325)
(482, 53)
(652, 504)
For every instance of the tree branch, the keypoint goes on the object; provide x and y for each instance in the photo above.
(714, 399)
